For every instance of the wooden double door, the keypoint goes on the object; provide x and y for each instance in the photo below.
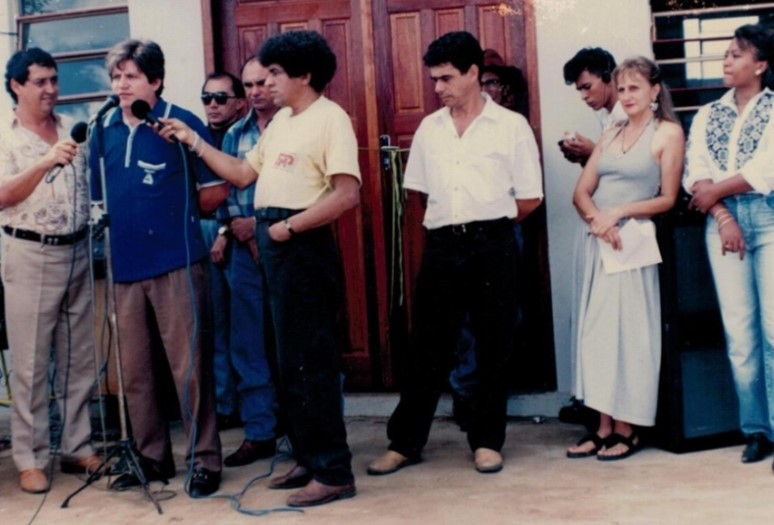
(381, 82)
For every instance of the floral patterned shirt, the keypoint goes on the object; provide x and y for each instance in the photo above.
(57, 208)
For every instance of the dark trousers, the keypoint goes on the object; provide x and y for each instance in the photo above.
(470, 268)
(303, 278)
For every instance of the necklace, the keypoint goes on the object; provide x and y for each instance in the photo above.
(624, 149)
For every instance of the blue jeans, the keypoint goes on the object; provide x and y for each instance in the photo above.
(746, 294)
(305, 290)
(247, 347)
(226, 399)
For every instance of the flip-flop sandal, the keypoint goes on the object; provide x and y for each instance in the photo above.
(594, 438)
(633, 442)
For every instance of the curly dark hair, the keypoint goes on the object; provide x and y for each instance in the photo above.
(300, 53)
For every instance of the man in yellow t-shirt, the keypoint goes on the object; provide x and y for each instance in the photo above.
(309, 176)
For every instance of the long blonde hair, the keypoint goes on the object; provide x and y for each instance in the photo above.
(651, 72)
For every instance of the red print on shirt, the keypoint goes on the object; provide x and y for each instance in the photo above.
(284, 160)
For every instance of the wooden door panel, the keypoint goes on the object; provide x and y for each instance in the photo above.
(383, 85)
(406, 55)
(414, 98)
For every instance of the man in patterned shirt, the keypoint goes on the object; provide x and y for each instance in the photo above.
(43, 212)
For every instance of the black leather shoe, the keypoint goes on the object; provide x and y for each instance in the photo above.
(295, 478)
(757, 449)
(250, 451)
(203, 483)
(226, 422)
(151, 470)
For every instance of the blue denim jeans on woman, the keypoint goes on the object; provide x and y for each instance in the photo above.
(745, 291)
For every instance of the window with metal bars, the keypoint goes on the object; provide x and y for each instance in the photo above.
(78, 33)
(689, 40)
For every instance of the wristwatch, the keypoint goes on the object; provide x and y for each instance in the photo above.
(223, 230)
(288, 227)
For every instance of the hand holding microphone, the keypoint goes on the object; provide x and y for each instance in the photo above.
(65, 150)
(142, 110)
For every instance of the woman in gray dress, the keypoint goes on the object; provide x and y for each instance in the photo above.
(633, 173)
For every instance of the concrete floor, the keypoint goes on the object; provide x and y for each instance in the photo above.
(538, 486)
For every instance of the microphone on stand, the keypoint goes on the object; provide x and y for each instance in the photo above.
(142, 110)
(78, 134)
(110, 103)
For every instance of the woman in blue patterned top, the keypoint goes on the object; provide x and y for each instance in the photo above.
(730, 172)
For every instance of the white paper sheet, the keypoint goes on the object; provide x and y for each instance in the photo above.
(639, 248)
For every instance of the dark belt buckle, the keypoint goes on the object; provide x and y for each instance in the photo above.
(459, 229)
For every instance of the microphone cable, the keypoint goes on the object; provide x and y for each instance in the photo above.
(63, 308)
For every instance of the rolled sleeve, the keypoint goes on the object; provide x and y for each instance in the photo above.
(759, 171)
(697, 162)
(414, 175)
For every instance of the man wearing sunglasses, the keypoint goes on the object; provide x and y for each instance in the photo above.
(223, 97)
(236, 254)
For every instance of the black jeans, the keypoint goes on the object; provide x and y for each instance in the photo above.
(303, 278)
(470, 268)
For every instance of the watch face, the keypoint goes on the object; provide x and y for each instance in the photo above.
(222, 230)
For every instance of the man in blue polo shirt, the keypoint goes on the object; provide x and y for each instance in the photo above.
(152, 187)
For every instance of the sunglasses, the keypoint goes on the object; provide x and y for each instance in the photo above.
(220, 97)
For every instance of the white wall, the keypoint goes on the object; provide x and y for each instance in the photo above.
(177, 27)
(564, 27)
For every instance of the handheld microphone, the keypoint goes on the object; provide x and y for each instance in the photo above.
(78, 133)
(142, 110)
(110, 102)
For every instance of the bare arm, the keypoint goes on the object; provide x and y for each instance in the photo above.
(345, 195)
(706, 195)
(525, 207)
(669, 148)
(238, 172)
(210, 197)
(21, 186)
(587, 185)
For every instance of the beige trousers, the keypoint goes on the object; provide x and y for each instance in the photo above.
(48, 305)
(167, 301)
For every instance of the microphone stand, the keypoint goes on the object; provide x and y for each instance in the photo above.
(125, 449)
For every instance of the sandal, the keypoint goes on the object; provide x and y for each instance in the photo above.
(599, 442)
(632, 442)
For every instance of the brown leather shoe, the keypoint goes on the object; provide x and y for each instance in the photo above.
(295, 478)
(390, 462)
(316, 493)
(33, 481)
(87, 465)
(488, 461)
(250, 451)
